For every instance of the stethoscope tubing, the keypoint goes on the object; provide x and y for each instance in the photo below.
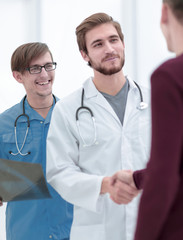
(19, 150)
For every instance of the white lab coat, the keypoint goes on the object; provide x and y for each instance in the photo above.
(76, 171)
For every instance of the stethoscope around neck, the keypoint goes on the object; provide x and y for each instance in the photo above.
(19, 150)
(142, 105)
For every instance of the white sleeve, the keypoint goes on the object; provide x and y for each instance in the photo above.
(63, 171)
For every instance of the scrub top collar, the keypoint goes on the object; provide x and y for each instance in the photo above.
(33, 115)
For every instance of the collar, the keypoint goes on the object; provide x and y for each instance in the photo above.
(91, 90)
(33, 115)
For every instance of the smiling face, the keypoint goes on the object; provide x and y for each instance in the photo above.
(105, 50)
(37, 85)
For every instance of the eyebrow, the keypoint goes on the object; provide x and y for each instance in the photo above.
(38, 65)
(99, 40)
(96, 41)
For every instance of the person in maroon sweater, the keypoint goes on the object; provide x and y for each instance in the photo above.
(161, 206)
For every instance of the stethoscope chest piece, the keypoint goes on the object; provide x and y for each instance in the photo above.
(142, 106)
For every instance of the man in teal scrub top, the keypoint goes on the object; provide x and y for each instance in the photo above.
(33, 66)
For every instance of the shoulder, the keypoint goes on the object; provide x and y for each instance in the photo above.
(136, 85)
(140, 88)
(145, 90)
(67, 106)
(75, 97)
(70, 100)
(8, 117)
(169, 74)
(170, 67)
(173, 62)
(10, 112)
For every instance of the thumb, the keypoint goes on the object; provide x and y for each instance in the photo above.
(125, 176)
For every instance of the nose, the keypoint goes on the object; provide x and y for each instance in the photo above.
(43, 72)
(109, 48)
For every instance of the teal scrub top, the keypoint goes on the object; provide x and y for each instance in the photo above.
(32, 219)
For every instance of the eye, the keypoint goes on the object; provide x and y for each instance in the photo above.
(49, 66)
(114, 39)
(34, 68)
(97, 45)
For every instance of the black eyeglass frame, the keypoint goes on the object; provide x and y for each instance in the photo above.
(43, 66)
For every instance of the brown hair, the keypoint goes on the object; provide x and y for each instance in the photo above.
(91, 22)
(25, 53)
(177, 8)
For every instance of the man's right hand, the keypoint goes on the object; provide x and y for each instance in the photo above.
(120, 186)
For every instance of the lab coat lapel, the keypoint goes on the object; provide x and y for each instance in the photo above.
(96, 97)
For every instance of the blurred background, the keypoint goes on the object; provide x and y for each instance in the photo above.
(54, 22)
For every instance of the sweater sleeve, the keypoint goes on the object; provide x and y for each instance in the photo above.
(139, 177)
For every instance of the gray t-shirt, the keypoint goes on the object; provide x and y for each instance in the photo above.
(118, 102)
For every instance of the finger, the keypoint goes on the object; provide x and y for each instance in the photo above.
(122, 188)
(121, 197)
(126, 176)
(113, 179)
(120, 200)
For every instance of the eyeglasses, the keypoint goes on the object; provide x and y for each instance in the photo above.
(37, 69)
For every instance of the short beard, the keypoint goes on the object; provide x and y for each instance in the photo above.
(109, 72)
(106, 71)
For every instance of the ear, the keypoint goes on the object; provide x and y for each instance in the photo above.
(17, 76)
(164, 14)
(85, 56)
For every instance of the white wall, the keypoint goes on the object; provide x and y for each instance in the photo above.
(54, 22)
(145, 44)
(151, 47)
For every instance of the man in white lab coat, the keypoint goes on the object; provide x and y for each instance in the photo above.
(98, 130)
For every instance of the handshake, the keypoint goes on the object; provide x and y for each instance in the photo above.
(120, 186)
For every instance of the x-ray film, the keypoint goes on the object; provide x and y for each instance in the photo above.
(22, 181)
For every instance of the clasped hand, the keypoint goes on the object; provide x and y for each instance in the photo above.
(120, 186)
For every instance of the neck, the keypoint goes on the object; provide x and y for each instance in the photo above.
(176, 35)
(111, 84)
(39, 108)
(178, 43)
(41, 105)
(179, 48)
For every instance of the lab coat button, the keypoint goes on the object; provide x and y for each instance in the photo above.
(41, 121)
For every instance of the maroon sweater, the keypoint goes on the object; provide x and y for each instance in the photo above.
(161, 207)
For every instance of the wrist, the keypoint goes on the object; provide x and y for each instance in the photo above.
(105, 185)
